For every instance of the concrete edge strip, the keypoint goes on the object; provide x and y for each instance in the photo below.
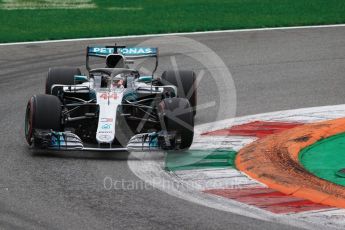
(151, 171)
(306, 115)
(274, 161)
(177, 34)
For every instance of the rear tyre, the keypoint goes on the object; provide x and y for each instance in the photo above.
(178, 117)
(60, 75)
(184, 80)
(42, 112)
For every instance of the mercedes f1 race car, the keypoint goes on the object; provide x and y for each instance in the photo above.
(114, 107)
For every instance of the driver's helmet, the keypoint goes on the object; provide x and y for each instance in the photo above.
(118, 81)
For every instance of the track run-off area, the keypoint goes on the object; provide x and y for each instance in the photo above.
(272, 70)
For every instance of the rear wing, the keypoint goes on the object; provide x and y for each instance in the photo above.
(128, 52)
(132, 52)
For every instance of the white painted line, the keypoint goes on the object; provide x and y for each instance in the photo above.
(176, 34)
(217, 178)
(47, 4)
(220, 142)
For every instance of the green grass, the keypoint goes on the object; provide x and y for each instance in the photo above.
(164, 16)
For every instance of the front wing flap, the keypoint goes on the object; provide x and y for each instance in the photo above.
(46, 139)
(153, 141)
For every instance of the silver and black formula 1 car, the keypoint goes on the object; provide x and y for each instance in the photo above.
(113, 108)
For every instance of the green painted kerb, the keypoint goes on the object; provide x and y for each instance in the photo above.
(200, 159)
(325, 158)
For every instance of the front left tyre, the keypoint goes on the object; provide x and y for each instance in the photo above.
(43, 112)
(185, 82)
(177, 116)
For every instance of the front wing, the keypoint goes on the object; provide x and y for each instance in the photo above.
(68, 141)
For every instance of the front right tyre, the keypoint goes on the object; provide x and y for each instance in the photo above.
(42, 112)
